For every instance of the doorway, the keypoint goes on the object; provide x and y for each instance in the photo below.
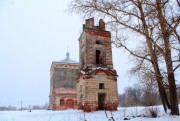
(101, 101)
(70, 104)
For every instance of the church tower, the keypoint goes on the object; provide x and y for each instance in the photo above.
(95, 45)
(97, 80)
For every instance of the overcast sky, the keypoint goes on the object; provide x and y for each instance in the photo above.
(33, 33)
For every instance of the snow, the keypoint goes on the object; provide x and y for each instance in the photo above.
(78, 115)
(91, 69)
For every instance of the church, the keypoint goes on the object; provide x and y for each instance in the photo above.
(63, 84)
(91, 84)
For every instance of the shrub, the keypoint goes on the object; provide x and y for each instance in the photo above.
(151, 111)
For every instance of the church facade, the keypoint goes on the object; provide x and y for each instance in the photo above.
(93, 84)
(62, 84)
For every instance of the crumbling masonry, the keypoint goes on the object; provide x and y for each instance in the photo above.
(97, 80)
(94, 76)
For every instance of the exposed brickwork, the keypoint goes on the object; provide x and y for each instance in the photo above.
(97, 33)
(112, 106)
(89, 89)
(97, 81)
(90, 106)
(63, 98)
(95, 38)
(63, 85)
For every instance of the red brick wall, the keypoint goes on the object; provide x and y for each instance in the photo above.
(67, 95)
(90, 106)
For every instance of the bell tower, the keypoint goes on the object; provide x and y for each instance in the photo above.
(97, 80)
(95, 45)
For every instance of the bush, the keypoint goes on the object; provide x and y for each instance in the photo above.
(151, 111)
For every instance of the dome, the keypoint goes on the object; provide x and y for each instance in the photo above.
(67, 59)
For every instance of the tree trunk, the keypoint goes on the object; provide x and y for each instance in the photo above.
(168, 60)
(173, 93)
(159, 78)
(158, 75)
(161, 89)
(171, 79)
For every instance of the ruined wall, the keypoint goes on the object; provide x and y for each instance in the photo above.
(95, 38)
(64, 75)
(63, 98)
(88, 89)
(96, 69)
(63, 85)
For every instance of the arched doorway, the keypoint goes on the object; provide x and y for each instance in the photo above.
(70, 104)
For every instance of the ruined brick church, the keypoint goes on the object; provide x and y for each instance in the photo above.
(91, 84)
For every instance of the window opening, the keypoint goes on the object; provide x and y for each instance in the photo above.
(80, 88)
(61, 102)
(101, 85)
(98, 52)
(97, 42)
(81, 98)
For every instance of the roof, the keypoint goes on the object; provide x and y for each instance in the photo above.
(67, 59)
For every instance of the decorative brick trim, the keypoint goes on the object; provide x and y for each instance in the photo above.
(87, 77)
(98, 33)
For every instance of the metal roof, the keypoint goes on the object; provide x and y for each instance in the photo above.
(67, 59)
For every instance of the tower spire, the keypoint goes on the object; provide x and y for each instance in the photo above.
(67, 54)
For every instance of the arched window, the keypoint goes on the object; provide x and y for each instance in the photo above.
(61, 102)
(98, 52)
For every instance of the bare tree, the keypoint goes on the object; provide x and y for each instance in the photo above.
(178, 2)
(156, 21)
(132, 96)
(166, 30)
(146, 74)
(140, 94)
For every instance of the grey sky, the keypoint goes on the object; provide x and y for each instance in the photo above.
(33, 33)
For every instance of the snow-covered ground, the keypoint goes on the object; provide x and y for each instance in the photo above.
(78, 115)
